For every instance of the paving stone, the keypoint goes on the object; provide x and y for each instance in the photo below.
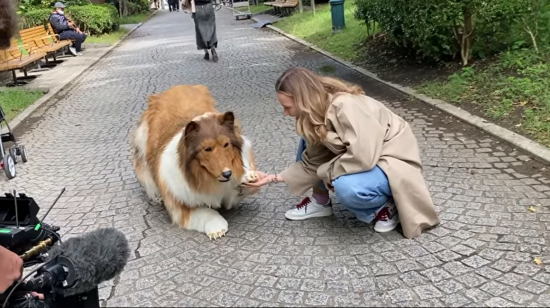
(436, 274)
(494, 288)
(475, 261)
(498, 302)
(455, 300)
(400, 295)
(534, 287)
(518, 296)
(480, 255)
(449, 286)
(427, 291)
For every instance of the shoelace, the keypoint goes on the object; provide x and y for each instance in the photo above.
(383, 214)
(303, 203)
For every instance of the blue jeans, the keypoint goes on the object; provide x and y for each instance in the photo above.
(364, 193)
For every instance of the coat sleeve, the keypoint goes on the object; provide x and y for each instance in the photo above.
(302, 175)
(57, 25)
(362, 135)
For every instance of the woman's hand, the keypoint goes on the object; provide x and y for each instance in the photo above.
(11, 268)
(264, 179)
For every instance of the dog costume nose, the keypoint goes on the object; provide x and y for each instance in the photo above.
(226, 174)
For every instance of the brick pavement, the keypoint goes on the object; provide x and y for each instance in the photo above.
(482, 254)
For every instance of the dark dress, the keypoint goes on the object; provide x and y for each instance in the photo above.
(205, 25)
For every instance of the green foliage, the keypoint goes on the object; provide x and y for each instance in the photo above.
(441, 29)
(517, 83)
(25, 6)
(138, 6)
(94, 19)
(34, 17)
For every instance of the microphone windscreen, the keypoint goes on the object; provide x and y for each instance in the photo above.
(98, 256)
(8, 22)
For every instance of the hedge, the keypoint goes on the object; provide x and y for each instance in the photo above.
(451, 28)
(93, 19)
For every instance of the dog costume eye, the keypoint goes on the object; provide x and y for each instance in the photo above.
(226, 145)
(208, 149)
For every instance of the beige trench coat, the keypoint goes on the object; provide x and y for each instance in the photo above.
(387, 141)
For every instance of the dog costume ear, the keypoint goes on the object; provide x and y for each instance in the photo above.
(228, 119)
(191, 127)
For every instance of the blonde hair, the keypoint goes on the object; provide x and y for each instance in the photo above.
(311, 97)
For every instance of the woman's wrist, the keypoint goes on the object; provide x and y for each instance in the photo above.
(276, 178)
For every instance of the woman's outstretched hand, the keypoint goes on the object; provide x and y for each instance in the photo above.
(263, 179)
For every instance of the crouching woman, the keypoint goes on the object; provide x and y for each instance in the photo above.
(356, 147)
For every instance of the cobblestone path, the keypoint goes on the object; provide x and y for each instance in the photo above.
(482, 254)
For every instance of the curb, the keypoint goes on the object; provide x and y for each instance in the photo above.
(23, 115)
(537, 150)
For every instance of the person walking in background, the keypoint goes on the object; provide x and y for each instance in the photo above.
(355, 146)
(174, 5)
(202, 12)
(66, 30)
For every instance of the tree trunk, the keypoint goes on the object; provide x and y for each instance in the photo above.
(467, 38)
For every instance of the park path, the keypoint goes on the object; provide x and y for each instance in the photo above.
(482, 254)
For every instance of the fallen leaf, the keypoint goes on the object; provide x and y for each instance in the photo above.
(537, 260)
(532, 209)
(522, 103)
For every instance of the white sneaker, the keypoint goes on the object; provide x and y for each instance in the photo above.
(72, 50)
(387, 218)
(309, 208)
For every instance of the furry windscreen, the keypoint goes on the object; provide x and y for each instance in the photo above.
(98, 256)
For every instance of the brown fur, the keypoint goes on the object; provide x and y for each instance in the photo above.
(209, 145)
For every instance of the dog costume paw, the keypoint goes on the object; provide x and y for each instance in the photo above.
(216, 227)
(215, 235)
(251, 176)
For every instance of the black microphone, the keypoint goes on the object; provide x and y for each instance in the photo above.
(80, 264)
(8, 22)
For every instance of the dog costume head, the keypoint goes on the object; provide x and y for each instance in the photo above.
(213, 143)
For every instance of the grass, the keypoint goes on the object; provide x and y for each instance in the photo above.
(15, 100)
(108, 38)
(515, 88)
(134, 19)
(317, 29)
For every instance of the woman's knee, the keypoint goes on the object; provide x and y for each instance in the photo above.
(354, 191)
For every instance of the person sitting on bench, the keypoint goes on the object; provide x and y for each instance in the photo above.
(66, 29)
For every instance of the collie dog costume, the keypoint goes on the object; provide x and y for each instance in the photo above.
(193, 158)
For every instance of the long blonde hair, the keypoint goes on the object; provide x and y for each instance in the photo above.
(311, 97)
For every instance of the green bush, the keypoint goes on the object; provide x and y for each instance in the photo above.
(93, 19)
(140, 6)
(34, 17)
(447, 28)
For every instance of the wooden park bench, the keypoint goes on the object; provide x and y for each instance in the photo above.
(270, 3)
(39, 40)
(55, 36)
(12, 59)
(286, 6)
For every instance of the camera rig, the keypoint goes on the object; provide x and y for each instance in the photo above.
(29, 237)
